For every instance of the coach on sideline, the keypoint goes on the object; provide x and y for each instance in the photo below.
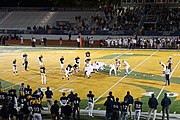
(165, 106)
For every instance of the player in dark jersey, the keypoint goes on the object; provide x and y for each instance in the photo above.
(21, 99)
(75, 68)
(76, 107)
(137, 109)
(63, 103)
(43, 74)
(124, 109)
(3, 97)
(49, 100)
(71, 97)
(116, 110)
(61, 64)
(170, 63)
(15, 71)
(28, 91)
(90, 98)
(36, 108)
(88, 56)
(77, 61)
(40, 59)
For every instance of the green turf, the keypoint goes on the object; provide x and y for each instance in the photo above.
(121, 56)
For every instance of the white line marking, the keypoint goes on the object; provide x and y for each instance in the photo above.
(124, 76)
(65, 84)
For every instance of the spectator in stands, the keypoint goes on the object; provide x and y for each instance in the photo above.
(165, 106)
(69, 35)
(78, 41)
(49, 100)
(153, 103)
(130, 101)
(55, 111)
(21, 40)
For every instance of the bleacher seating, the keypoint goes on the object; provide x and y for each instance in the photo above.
(22, 19)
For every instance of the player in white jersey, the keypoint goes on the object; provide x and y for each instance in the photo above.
(15, 67)
(164, 67)
(127, 66)
(25, 61)
(99, 66)
(118, 65)
(112, 68)
(68, 71)
(40, 59)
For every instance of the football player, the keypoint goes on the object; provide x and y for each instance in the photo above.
(40, 59)
(112, 68)
(164, 67)
(127, 66)
(25, 61)
(77, 61)
(61, 63)
(43, 74)
(170, 63)
(15, 67)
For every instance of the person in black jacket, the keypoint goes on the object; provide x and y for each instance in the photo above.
(165, 106)
(109, 108)
(153, 103)
(67, 111)
(130, 102)
(55, 111)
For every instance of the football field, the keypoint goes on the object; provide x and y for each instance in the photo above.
(145, 73)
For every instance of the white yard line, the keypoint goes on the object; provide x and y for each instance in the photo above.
(124, 77)
(65, 84)
(164, 87)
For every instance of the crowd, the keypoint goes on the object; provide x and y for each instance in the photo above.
(144, 42)
(140, 18)
(28, 105)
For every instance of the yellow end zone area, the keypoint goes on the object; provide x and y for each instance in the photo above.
(142, 61)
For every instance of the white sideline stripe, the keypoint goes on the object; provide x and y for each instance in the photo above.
(39, 75)
(169, 77)
(164, 87)
(124, 77)
(65, 84)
